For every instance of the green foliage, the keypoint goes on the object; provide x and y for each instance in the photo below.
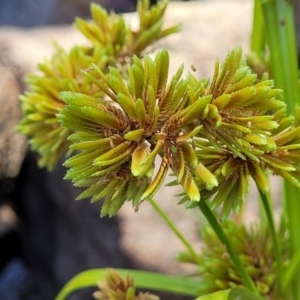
(142, 279)
(221, 295)
(232, 294)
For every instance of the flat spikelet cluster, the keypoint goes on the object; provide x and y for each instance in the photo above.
(115, 287)
(213, 136)
(254, 248)
(112, 43)
(120, 137)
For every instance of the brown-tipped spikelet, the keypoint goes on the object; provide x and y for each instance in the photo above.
(115, 287)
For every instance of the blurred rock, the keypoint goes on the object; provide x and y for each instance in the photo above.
(61, 237)
(12, 145)
(16, 282)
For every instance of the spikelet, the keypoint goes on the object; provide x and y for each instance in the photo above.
(244, 132)
(110, 30)
(239, 119)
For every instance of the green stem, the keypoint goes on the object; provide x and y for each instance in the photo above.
(292, 208)
(224, 239)
(269, 10)
(258, 34)
(280, 32)
(269, 214)
(286, 25)
(174, 229)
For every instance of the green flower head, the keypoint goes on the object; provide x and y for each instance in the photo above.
(112, 43)
(41, 103)
(254, 248)
(244, 134)
(115, 287)
(119, 137)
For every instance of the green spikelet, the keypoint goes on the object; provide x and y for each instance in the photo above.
(259, 176)
(206, 176)
(42, 102)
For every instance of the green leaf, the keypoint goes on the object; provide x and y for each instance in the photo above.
(147, 280)
(289, 272)
(221, 295)
(243, 294)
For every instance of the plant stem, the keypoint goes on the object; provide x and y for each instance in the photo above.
(273, 39)
(174, 229)
(280, 32)
(292, 208)
(258, 34)
(224, 239)
(269, 215)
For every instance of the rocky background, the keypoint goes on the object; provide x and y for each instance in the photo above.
(45, 236)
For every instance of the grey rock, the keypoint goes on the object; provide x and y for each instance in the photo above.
(31, 13)
(12, 144)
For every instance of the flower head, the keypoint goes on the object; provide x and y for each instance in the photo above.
(119, 137)
(213, 136)
(242, 135)
(115, 287)
(41, 103)
(253, 246)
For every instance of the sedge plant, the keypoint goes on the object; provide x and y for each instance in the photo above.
(113, 112)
